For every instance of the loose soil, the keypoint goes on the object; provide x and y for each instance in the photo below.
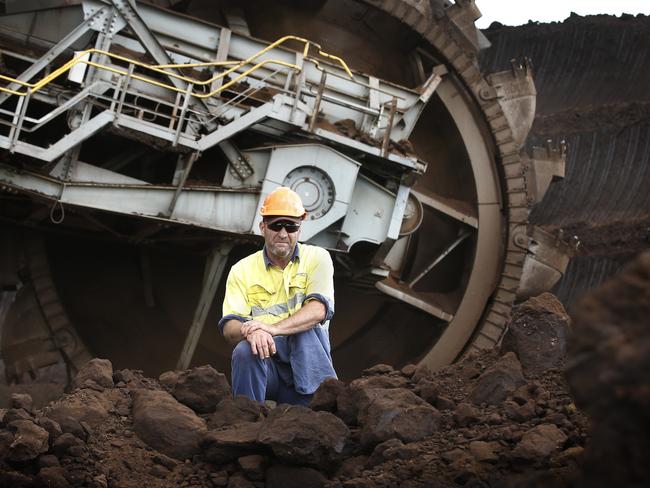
(488, 420)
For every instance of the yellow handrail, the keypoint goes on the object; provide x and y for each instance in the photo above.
(161, 69)
(80, 59)
(280, 41)
(194, 94)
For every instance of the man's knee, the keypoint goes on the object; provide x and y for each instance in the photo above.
(243, 354)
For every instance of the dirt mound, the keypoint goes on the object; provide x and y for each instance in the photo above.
(498, 418)
(483, 421)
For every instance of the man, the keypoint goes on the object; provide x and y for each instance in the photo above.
(277, 308)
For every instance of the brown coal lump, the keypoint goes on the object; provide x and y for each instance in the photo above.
(537, 333)
(608, 373)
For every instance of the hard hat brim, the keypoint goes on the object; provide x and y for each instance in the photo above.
(269, 219)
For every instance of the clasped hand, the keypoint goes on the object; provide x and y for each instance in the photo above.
(260, 337)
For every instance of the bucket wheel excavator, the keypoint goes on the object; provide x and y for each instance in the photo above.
(140, 138)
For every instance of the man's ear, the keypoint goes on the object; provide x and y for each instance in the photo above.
(261, 226)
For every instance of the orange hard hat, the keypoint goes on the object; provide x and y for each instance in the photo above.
(283, 201)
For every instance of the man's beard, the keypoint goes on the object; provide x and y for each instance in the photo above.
(281, 252)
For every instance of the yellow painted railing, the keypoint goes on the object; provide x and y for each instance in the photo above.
(161, 69)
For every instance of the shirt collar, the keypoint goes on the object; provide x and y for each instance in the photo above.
(267, 261)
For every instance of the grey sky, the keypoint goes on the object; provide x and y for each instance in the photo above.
(517, 12)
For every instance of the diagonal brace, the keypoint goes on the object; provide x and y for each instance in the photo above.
(452, 246)
(53, 53)
(215, 265)
(186, 161)
(152, 45)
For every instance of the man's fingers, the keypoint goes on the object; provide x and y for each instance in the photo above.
(262, 346)
(262, 343)
(265, 350)
(249, 329)
(253, 347)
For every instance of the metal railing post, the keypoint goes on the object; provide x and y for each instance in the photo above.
(300, 78)
(391, 116)
(125, 87)
(174, 114)
(18, 120)
(186, 103)
(319, 97)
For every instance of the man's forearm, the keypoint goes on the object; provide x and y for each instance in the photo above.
(311, 313)
(232, 331)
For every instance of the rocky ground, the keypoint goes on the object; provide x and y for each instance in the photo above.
(500, 418)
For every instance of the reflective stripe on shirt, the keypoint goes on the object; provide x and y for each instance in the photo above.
(279, 308)
(270, 294)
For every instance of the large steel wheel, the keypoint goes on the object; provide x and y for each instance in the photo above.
(454, 276)
(444, 294)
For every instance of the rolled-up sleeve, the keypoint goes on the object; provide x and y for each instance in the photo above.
(320, 283)
(235, 303)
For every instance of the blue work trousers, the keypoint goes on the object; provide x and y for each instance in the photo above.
(264, 379)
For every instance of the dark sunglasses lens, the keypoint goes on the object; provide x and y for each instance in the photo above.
(290, 227)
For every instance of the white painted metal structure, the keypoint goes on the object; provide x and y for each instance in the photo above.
(350, 143)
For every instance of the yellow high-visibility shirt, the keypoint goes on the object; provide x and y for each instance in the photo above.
(257, 289)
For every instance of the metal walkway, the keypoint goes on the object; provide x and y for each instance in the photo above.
(255, 85)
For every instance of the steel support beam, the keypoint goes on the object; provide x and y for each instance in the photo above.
(244, 122)
(186, 161)
(452, 208)
(53, 53)
(238, 162)
(217, 208)
(64, 144)
(439, 258)
(131, 16)
(215, 265)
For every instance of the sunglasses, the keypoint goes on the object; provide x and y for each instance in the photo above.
(287, 225)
